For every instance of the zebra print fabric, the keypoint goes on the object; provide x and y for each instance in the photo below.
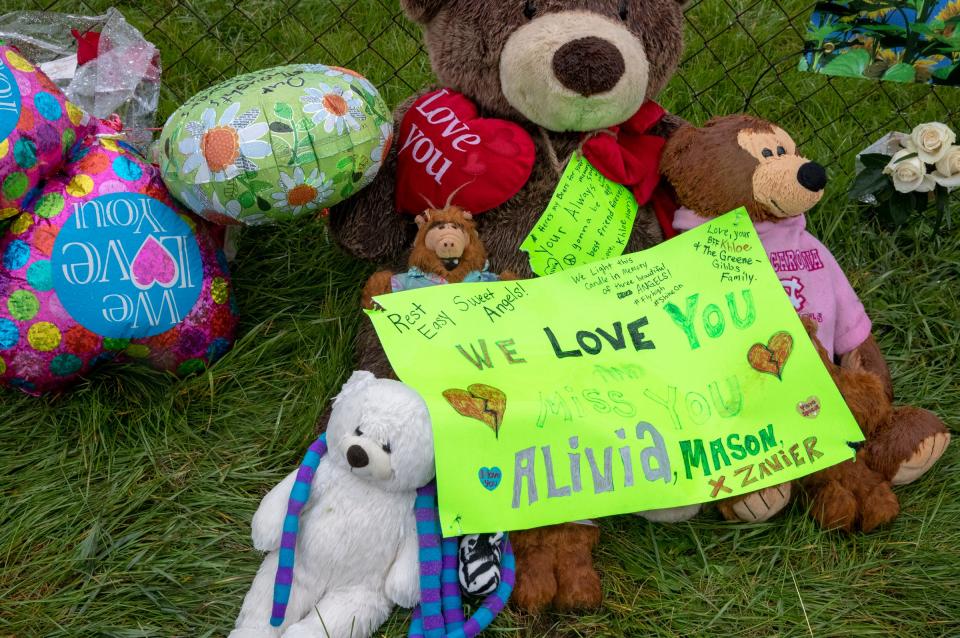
(479, 559)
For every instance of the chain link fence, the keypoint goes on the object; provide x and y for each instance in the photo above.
(740, 55)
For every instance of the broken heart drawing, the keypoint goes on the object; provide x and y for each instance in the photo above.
(481, 402)
(772, 357)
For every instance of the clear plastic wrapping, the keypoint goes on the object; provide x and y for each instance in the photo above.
(122, 78)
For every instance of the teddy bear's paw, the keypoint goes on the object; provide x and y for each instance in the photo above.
(880, 507)
(579, 590)
(928, 453)
(760, 506)
(834, 507)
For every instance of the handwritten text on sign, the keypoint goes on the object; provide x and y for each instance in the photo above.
(589, 219)
(674, 376)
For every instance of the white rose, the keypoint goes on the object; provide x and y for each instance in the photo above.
(909, 175)
(948, 168)
(931, 141)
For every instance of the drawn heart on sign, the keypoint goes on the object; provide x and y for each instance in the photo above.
(446, 151)
(490, 477)
(481, 402)
(771, 358)
(153, 264)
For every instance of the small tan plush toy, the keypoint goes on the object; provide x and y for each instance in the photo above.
(739, 161)
(446, 250)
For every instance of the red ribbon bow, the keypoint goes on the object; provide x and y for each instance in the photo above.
(629, 155)
(88, 45)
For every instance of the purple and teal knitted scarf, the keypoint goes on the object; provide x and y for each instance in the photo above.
(440, 612)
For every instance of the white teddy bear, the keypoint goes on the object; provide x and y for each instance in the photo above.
(357, 550)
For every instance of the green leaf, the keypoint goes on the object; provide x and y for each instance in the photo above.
(870, 181)
(259, 185)
(850, 64)
(247, 199)
(948, 75)
(306, 158)
(347, 190)
(825, 31)
(283, 110)
(280, 127)
(875, 160)
(943, 208)
(346, 162)
(306, 124)
(901, 73)
(263, 204)
(902, 206)
(908, 156)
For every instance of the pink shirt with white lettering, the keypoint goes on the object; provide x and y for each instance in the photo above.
(811, 277)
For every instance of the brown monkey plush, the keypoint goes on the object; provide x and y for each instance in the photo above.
(446, 250)
(739, 161)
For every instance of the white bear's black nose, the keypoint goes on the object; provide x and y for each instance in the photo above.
(357, 456)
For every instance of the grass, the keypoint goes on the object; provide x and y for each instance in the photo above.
(126, 504)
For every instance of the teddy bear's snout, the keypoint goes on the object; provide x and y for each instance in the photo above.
(357, 457)
(575, 70)
(589, 65)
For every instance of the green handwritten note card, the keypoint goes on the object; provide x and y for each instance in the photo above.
(589, 219)
(673, 376)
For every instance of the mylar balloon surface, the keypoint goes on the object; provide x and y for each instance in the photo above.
(103, 265)
(275, 144)
(37, 127)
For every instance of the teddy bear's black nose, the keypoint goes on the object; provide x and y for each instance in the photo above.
(812, 176)
(357, 456)
(589, 65)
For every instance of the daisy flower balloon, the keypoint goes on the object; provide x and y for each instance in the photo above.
(222, 149)
(336, 107)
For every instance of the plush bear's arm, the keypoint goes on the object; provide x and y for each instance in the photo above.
(268, 521)
(378, 284)
(867, 356)
(508, 275)
(669, 124)
(403, 579)
(368, 225)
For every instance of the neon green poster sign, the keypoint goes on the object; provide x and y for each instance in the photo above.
(669, 377)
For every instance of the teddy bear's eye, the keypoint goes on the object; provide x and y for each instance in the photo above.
(623, 10)
(529, 10)
(781, 150)
(357, 432)
(767, 152)
(386, 448)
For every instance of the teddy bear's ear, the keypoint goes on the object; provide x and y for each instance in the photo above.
(423, 219)
(468, 216)
(357, 382)
(422, 11)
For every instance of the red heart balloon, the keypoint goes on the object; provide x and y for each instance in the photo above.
(446, 151)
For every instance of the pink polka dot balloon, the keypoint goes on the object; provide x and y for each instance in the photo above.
(103, 265)
(37, 127)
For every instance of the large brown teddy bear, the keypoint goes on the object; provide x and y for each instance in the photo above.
(556, 71)
(740, 160)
